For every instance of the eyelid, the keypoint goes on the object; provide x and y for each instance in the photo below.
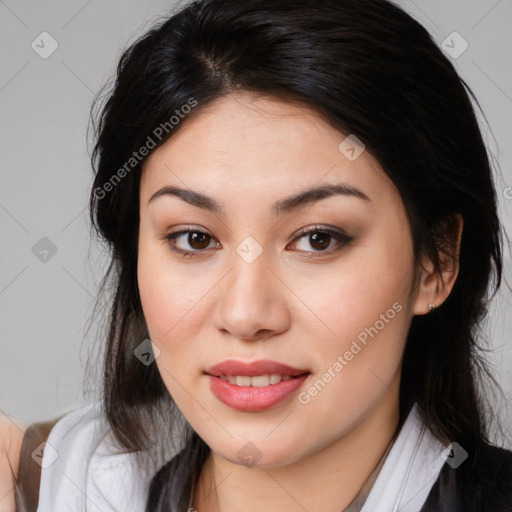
(318, 227)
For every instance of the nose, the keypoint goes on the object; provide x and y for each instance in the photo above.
(251, 302)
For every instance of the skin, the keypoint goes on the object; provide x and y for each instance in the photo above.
(11, 437)
(293, 304)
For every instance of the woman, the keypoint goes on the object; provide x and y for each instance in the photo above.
(304, 242)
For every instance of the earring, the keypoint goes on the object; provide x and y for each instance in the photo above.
(431, 307)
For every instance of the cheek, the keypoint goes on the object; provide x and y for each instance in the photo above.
(353, 296)
(174, 309)
(167, 295)
(168, 307)
(367, 307)
(357, 366)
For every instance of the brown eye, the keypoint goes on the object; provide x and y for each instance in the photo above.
(194, 241)
(321, 241)
(198, 240)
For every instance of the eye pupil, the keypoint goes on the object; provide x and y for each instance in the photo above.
(320, 238)
(195, 237)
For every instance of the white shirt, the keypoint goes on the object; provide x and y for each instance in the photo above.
(91, 475)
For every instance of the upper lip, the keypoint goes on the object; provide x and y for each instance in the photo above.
(250, 369)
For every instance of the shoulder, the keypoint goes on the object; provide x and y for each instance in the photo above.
(482, 481)
(77, 430)
(35, 454)
(11, 438)
(66, 454)
(84, 468)
(490, 475)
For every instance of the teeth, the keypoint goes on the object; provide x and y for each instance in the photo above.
(275, 378)
(243, 380)
(257, 381)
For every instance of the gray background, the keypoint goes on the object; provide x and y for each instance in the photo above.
(45, 179)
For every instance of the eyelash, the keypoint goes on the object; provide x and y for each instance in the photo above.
(340, 237)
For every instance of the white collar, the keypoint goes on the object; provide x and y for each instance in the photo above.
(90, 475)
(409, 471)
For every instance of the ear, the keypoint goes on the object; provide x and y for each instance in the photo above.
(434, 285)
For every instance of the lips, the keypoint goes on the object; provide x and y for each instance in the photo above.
(252, 369)
(250, 392)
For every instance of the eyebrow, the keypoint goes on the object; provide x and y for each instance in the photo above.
(281, 207)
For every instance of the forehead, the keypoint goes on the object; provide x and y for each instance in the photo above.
(244, 145)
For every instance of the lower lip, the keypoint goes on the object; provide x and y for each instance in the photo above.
(249, 398)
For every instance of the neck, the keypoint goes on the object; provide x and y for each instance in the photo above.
(328, 480)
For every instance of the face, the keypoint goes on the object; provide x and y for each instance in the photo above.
(321, 284)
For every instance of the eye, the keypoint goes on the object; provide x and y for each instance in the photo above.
(321, 239)
(196, 239)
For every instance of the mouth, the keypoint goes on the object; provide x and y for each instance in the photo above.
(254, 386)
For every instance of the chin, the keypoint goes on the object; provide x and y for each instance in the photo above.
(258, 455)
